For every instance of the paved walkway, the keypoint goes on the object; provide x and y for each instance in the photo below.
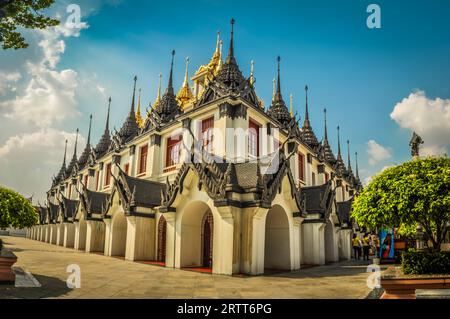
(106, 277)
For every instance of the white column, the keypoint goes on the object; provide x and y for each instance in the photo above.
(170, 240)
(107, 243)
(69, 235)
(223, 242)
(141, 237)
(314, 243)
(95, 236)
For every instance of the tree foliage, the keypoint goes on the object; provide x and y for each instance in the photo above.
(23, 13)
(414, 192)
(15, 210)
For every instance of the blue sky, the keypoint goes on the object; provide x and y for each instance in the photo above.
(358, 74)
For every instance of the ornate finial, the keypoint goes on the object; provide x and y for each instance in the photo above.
(291, 107)
(252, 69)
(139, 120)
(326, 131)
(185, 82)
(158, 96)
(218, 43)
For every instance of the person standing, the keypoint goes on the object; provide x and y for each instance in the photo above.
(355, 244)
(366, 246)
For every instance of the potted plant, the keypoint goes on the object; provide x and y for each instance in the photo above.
(17, 212)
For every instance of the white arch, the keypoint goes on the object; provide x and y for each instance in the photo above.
(118, 236)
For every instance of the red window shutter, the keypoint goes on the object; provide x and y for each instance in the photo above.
(143, 159)
(326, 177)
(301, 166)
(207, 133)
(173, 150)
(253, 138)
(127, 168)
(108, 174)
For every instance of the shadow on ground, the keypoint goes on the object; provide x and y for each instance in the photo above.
(51, 288)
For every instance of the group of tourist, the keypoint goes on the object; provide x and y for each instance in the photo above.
(369, 245)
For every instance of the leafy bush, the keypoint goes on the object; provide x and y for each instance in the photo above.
(426, 262)
(15, 210)
(1, 244)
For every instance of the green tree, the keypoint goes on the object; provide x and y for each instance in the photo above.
(15, 210)
(405, 195)
(23, 13)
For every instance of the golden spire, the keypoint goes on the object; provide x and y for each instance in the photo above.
(252, 77)
(219, 65)
(185, 93)
(158, 96)
(139, 120)
(291, 97)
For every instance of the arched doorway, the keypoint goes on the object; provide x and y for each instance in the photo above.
(118, 234)
(277, 250)
(82, 232)
(331, 253)
(162, 237)
(197, 235)
(207, 239)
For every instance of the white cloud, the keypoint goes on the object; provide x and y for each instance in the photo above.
(430, 118)
(7, 81)
(377, 153)
(29, 160)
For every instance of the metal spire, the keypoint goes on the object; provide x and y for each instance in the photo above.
(65, 152)
(278, 78)
(348, 156)
(306, 107)
(170, 84)
(107, 116)
(339, 144)
(357, 172)
(134, 94)
(326, 131)
(231, 49)
(89, 132)
(76, 142)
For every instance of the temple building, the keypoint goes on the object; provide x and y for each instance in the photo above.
(207, 178)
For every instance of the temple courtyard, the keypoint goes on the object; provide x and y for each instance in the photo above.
(44, 268)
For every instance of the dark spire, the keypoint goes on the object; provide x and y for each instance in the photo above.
(73, 161)
(340, 163)
(168, 107)
(278, 110)
(85, 155)
(357, 171)
(130, 128)
(105, 140)
(307, 133)
(65, 152)
(328, 153)
(229, 73)
(306, 107)
(170, 84)
(134, 95)
(62, 172)
(339, 144)
(349, 165)
(231, 48)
